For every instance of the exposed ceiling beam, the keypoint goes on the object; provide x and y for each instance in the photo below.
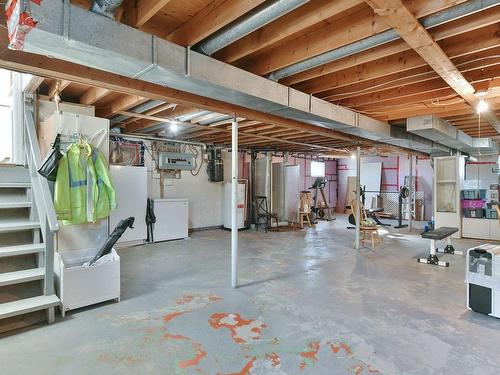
(120, 104)
(145, 9)
(55, 68)
(93, 94)
(451, 34)
(361, 25)
(404, 61)
(289, 24)
(432, 88)
(210, 19)
(241, 133)
(476, 71)
(396, 15)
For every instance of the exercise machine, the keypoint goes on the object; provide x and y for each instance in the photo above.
(321, 210)
(370, 212)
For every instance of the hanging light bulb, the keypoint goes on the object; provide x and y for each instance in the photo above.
(353, 156)
(173, 127)
(482, 106)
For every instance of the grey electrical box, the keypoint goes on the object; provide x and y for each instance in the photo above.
(176, 160)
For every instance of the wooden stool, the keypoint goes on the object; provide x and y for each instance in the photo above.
(301, 219)
(374, 236)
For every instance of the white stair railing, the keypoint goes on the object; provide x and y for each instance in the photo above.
(42, 197)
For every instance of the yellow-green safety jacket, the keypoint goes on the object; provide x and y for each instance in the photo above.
(83, 189)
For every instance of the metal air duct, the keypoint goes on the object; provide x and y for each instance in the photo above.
(441, 131)
(73, 34)
(106, 8)
(251, 21)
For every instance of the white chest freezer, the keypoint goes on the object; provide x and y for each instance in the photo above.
(172, 217)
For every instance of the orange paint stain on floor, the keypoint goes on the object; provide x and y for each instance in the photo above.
(184, 299)
(171, 316)
(200, 353)
(241, 329)
(310, 356)
(274, 358)
(214, 298)
(372, 370)
(356, 370)
(336, 348)
(245, 370)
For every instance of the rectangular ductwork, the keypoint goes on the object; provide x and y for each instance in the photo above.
(70, 33)
(443, 132)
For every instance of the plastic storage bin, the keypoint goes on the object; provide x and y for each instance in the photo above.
(474, 194)
(78, 286)
(476, 213)
(491, 213)
(472, 203)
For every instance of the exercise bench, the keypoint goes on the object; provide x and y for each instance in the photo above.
(436, 235)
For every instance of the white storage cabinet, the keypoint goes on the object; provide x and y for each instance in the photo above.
(79, 286)
(482, 229)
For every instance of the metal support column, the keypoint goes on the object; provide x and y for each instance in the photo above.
(410, 196)
(234, 203)
(358, 197)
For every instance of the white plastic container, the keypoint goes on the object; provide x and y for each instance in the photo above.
(78, 286)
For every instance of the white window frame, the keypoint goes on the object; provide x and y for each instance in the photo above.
(318, 168)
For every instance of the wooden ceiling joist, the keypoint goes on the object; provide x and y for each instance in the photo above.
(93, 94)
(210, 19)
(241, 133)
(337, 34)
(450, 38)
(120, 104)
(285, 26)
(403, 62)
(145, 9)
(396, 15)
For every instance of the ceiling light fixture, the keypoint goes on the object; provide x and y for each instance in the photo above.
(482, 106)
(173, 127)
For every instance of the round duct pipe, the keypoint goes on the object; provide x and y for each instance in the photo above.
(251, 21)
(107, 8)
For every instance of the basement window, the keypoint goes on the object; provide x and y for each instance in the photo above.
(317, 169)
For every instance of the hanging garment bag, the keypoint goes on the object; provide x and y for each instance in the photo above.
(49, 165)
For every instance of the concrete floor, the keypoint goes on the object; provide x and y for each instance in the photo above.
(310, 305)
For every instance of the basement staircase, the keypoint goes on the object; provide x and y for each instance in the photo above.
(27, 227)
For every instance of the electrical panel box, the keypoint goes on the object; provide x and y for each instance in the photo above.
(215, 165)
(176, 161)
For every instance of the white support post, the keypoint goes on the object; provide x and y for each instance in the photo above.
(234, 203)
(358, 197)
(410, 196)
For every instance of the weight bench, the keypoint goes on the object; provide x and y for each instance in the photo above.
(435, 235)
(372, 212)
